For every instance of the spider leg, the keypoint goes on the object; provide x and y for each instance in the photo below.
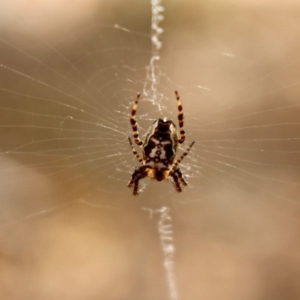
(175, 180)
(181, 177)
(175, 172)
(134, 151)
(138, 174)
(133, 121)
(179, 160)
(180, 119)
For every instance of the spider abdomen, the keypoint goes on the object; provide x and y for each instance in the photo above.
(160, 144)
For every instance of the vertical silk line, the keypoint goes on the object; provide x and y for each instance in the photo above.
(156, 31)
(156, 45)
(165, 230)
(166, 234)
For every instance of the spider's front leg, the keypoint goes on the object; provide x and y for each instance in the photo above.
(138, 174)
(177, 178)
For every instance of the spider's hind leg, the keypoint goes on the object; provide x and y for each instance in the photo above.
(180, 119)
(133, 122)
(134, 151)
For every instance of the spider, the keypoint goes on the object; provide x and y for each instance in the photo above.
(159, 150)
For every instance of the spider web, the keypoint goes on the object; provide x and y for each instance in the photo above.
(69, 226)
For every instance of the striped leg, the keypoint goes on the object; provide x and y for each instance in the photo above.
(180, 119)
(138, 174)
(133, 121)
(134, 151)
(181, 177)
(179, 160)
(175, 180)
(178, 178)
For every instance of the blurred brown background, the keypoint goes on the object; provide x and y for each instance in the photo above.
(69, 227)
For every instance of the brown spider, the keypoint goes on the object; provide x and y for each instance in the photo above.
(159, 150)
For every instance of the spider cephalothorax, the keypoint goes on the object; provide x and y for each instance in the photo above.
(159, 150)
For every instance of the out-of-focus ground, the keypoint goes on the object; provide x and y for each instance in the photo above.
(234, 240)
